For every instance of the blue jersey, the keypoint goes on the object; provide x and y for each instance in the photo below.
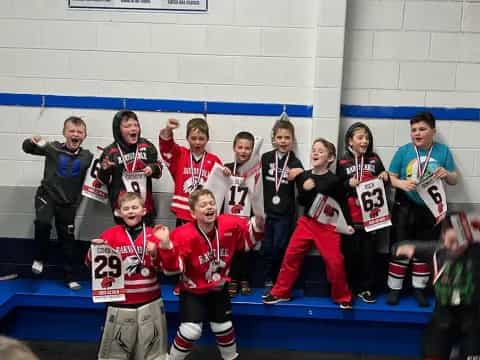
(404, 164)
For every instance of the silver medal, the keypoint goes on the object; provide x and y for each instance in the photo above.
(276, 200)
(145, 272)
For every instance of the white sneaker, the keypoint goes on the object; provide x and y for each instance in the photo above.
(8, 277)
(73, 285)
(37, 267)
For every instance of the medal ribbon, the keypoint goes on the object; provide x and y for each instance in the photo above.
(421, 170)
(278, 182)
(141, 259)
(196, 180)
(235, 168)
(359, 172)
(436, 271)
(210, 247)
(125, 162)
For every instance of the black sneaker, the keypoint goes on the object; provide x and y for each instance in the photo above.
(419, 295)
(267, 288)
(270, 299)
(346, 305)
(393, 297)
(367, 297)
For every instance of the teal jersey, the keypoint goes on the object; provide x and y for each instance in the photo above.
(405, 164)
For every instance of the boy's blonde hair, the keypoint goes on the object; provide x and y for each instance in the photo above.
(329, 146)
(198, 124)
(195, 196)
(129, 196)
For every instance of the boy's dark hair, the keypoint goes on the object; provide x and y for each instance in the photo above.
(127, 114)
(351, 132)
(198, 124)
(120, 116)
(75, 120)
(129, 196)
(282, 124)
(244, 135)
(329, 146)
(426, 117)
(194, 196)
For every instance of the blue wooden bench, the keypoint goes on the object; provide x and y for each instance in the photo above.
(47, 310)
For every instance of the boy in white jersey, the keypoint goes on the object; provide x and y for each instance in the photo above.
(238, 202)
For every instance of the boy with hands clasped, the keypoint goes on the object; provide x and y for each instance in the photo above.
(137, 325)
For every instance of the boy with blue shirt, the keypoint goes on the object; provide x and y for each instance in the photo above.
(412, 218)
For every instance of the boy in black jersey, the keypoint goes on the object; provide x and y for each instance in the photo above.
(309, 232)
(129, 164)
(359, 163)
(280, 167)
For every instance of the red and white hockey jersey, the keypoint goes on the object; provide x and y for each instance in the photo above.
(206, 268)
(139, 288)
(179, 162)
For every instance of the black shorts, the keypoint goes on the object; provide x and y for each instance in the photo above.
(412, 221)
(451, 325)
(213, 306)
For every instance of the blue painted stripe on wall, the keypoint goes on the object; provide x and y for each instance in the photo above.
(184, 106)
(229, 108)
(83, 102)
(406, 112)
(21, 99)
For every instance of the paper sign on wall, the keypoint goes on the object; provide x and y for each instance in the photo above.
(177, 5)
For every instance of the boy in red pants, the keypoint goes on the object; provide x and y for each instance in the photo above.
(310, 232)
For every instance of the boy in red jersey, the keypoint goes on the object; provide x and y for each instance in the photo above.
(189, 167)
(206, 247)
(137, 326)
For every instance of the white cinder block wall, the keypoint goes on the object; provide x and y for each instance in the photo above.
(417, 53)
(269, 51)
(396, 53)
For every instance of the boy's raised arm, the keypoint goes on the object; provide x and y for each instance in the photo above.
(35, 145)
